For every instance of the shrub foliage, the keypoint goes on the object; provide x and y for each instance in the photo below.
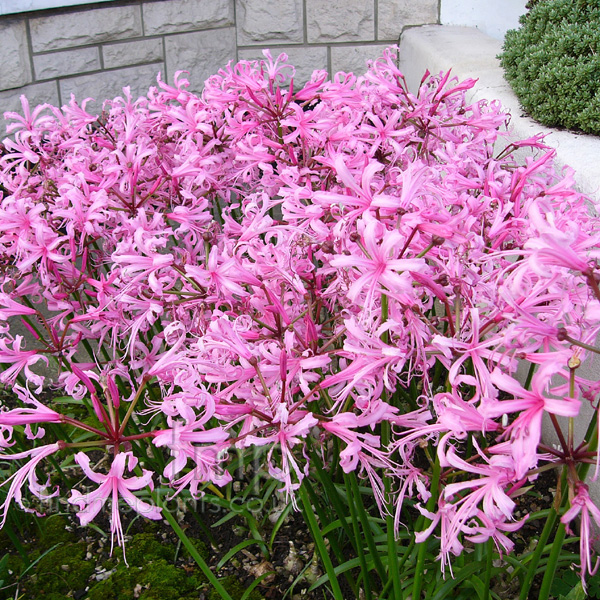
(553, 63)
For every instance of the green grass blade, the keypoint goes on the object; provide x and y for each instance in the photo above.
(235, 550)
(37, 560)
(422, 547)
(207, 532)
(541, 545)
(16, 542)
(537, 554)
(550, 570)
(326, 514)
(193, 551)
(366, 526)
(483, 592)
(278, 524)
(334, 496)
(339, 570)
(319, 542)
(488, 568)
(255, 583)
(337, 524)
(356, 529)
(445, 590)
(224, 519)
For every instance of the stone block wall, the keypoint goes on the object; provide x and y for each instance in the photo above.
(94, 50)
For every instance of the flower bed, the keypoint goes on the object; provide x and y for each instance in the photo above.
(333, 285)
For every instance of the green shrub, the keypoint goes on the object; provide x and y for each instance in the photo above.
(553, 63)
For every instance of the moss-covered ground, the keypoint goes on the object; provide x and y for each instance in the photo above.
(55, 563)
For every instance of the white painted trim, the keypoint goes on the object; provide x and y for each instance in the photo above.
(8, 7)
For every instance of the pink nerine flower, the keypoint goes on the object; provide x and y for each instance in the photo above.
(10, 308)
(526, 430)
(27, 416)
(26, 472)
(181, 440)
(582, 503)
(114, 484)
(286, 434)
(378, 268)
(20, 360)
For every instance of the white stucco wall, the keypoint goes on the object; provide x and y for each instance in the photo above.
(493, 17)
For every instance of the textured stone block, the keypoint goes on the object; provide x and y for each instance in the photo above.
(69, 62)
(269, 21)
(108, 84)
(396, 14)
(340, 20)
(177, 16)
(304, 59)
(353, 59)
(15, 69)
(202, 53)
(36, 93)
(132, 53)
(85, 27)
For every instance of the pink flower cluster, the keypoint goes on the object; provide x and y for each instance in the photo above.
(266, 266)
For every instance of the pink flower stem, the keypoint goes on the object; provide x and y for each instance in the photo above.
(87, 444)
(235, 440)
(64, 333)
(300, 402)
(190, 281)
(583, 345)
(114, 422)
(263, 324)
(593, 284)
(426, 250)
(572, 369)
(561, 437)
(262, 415)
(157, 185)
(80, 425)
(549, 450)
(300, 316)
(332, 340)
(547, 466)
(408, 241)
(450, 319)
(132, 405)
(139, 436)
(254, 362)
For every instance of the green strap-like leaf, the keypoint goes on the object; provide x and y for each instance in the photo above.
(235, 550)
(445, 591)
(320, 543)
(193, 552)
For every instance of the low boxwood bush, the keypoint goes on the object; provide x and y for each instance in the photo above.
(553, 63)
